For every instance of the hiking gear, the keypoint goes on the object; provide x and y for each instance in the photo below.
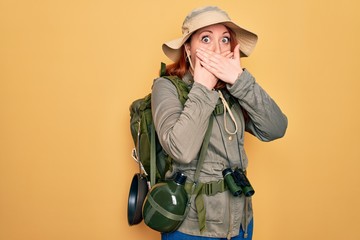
(137, 194)
(148, 153)
(243, 182)
(230, 182)
(206, 16)
(159, 211)
(237, 182)
(165, 205)
(146, 142)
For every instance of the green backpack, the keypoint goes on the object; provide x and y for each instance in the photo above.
(152, 159)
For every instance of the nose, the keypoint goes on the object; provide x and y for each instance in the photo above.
(217, 47)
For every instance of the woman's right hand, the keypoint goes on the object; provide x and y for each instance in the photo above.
(203, 76)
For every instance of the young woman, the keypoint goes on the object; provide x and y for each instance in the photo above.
(207, 59)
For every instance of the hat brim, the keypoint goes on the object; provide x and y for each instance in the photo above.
(246, 39)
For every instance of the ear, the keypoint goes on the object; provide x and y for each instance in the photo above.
(187, 48)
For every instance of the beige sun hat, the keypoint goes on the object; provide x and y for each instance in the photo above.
(206, 16)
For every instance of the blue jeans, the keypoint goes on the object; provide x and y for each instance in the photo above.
(182, 236)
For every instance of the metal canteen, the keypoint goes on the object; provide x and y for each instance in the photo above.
(138, 190)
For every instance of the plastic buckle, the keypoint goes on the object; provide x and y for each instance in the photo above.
(219, 109)
(212, 188)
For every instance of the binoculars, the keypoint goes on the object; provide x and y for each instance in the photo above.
(237, 182)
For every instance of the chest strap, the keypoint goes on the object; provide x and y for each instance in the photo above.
(209, 188)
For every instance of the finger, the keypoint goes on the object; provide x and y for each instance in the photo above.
(226, 53)
(200, 55)
(204, 64)
(229, 55)
(237, 52)
(198, 63)
(203, 56)
(206, 53)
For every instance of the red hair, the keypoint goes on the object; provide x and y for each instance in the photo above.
(181, 66)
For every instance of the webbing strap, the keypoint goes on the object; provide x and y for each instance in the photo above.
(209, 188)
(152, 156)
(162, 69)
(157, 208)
(197, 187)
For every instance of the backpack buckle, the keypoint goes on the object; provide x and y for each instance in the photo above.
(212, 188)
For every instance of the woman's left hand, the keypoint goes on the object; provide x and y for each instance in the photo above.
(225, 66)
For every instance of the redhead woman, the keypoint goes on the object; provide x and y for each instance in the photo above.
(207, 58)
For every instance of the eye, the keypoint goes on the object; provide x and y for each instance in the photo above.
(205, 39)
(225, 40)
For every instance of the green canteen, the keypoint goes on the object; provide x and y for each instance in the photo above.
(164, 206)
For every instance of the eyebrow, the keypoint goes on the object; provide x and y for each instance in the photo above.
(212, 31)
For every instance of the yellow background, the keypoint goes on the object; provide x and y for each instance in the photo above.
(70, 69)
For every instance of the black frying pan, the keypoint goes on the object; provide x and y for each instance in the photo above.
(137, 194)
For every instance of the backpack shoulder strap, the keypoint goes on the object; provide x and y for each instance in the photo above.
(162, 69)
(181, 87)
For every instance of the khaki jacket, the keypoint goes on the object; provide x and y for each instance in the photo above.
(181, 130)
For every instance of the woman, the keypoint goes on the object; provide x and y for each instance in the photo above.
(207, 58)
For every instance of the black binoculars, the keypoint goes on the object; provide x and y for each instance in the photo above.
(237, 182)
